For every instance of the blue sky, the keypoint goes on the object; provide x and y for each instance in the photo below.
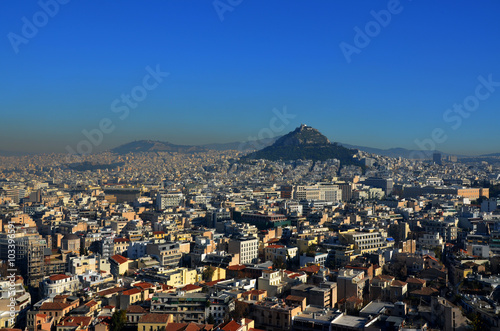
(226, 76)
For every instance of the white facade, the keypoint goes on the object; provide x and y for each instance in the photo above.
(58, 284)
(246, 247)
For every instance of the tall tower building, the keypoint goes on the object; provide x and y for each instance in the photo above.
(436, 157)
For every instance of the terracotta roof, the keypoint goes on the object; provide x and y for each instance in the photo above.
(143, 285)
(354, 299)
(231, 326)
(398, 283)
(121, 240)
(158, 232)
(132, 291)
(191, 287)
(213, 282)
(76, 321)
(61, 296)
(135, 309)
(58, 277)
(312, 269)
(154, 318)
(188, 327)
(91, 303)
(275, 246)
(119, 259)
(415, 280)
(53, 306)
(236, 267)
(430, 257)
(111, 291)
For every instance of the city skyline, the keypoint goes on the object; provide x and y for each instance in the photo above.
(380, 74)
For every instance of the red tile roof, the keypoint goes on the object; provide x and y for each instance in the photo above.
(91, 303)
(313, 269)
(275, 246)
(398, 283)
(236, 267)
(135, 309)
(119, 259)
(165, 287)
(188, 327)
(231, 326)
(53, 306)
(213, 282)
(76, 321)
(144, 285)
(58, 277)
(415, 280)
(111, 291)
(191, 287)
(132, 291)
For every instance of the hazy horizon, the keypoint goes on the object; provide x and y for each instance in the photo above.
(381, 74)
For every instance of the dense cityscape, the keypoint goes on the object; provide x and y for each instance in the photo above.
(216, 240)
(249, 165)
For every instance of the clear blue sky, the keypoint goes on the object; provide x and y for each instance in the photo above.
(226, 76)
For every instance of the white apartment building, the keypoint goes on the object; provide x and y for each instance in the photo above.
(246, 247)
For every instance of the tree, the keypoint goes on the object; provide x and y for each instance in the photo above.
(210, 319)
(240, 310)
(118, 320)
(208, 273)
(279, 264)
(479, 324)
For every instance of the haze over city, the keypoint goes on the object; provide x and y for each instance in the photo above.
(249, 165)
(359, 76)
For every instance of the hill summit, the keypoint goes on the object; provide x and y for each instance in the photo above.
(303, 135)
(305, 143)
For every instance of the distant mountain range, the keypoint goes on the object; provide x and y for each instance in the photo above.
(155, 146)
(247, 146)
(162, 146)
(305, 143)
(243, 146)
